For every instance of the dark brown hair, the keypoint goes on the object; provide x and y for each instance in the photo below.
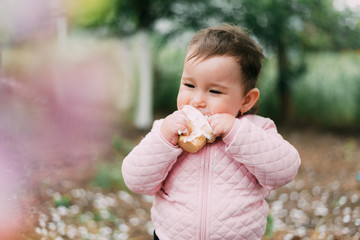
(233, 41)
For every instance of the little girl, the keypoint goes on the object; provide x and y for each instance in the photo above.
(218, 192)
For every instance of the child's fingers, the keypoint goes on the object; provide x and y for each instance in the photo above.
(212, 117)
(183, 127)
(215, 123)
(221, 123)
(214, 120)
(182, 122)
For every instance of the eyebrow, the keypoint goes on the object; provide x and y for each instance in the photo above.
(220, 86)
(215, 84)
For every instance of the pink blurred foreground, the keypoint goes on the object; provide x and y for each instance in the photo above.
(54, 124)
(59, 102)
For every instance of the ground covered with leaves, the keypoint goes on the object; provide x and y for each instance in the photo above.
(323, 202)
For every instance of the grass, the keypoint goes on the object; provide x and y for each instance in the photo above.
(329, 92)
(109, 175)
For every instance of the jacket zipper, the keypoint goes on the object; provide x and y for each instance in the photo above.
(204, 195)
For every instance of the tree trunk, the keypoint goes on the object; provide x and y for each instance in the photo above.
(59, 14)
(283, 83)
(143, 115)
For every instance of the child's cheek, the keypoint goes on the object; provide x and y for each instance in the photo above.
(180, 106)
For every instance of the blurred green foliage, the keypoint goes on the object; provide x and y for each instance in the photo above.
(90, 12)
(169, 66)
(62, 200)
(269, 231)
(121, 146)
(123, 17)
(328, 93)
(296, 25)
(109, 176)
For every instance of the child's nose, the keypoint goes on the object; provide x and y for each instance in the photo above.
(199, 100)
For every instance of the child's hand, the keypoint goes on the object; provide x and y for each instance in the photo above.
(221, 123)
(172, 124)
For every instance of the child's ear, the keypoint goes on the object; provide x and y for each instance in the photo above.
(250, 99)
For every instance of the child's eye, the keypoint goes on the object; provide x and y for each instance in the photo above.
(189, 85)
(215, 92)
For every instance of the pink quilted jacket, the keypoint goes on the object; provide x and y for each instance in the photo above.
(219, 192)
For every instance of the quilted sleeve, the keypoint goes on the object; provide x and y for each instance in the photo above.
(147, 165)
(255, 142)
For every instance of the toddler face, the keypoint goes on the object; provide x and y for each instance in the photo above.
(212, 85)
